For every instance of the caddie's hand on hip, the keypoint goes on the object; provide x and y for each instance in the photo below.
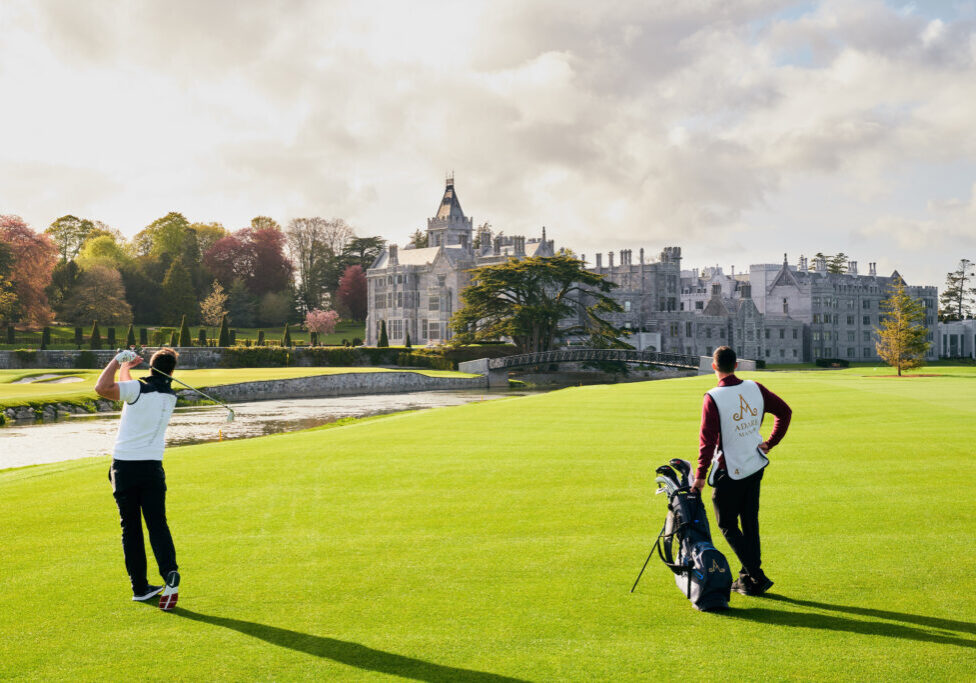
(764, 447)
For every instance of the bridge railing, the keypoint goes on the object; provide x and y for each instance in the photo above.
(595, 355)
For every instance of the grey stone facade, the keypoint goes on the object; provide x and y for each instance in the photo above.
(418, 290)
(957, 339)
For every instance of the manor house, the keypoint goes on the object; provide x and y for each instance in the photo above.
(417, 290)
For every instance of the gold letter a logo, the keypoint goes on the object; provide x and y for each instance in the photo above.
(743, 409)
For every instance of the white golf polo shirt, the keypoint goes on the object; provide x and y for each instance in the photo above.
(142, 429)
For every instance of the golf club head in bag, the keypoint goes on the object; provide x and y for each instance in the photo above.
(683, 467)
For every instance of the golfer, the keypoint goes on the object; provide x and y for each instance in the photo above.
(138, 480)
(732, 413)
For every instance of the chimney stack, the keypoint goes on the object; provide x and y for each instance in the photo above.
(872, 269)
(497, 245)
(610, 259)
(519, 245)
(599, 260)
(852, 267)
(746, 291)
(394, 257)
(642, 255)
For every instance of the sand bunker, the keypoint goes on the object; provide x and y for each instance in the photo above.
(54, 379)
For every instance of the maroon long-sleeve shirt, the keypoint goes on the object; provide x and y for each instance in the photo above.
(711, 428)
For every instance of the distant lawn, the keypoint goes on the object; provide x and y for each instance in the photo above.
(19, 394)
(502, 538)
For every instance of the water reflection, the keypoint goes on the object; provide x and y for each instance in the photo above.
(93, 435)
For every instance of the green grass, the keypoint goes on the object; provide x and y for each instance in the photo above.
(42, 392)
(503, 537)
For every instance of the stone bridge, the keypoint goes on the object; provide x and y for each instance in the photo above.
(496, 370)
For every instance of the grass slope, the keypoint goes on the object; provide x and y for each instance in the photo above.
(19, 394)
(501, 539)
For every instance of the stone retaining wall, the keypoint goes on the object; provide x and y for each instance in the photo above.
(317, 386)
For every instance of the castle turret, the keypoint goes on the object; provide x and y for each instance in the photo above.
(450, 227)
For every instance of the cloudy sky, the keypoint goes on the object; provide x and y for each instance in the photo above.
(736, 130)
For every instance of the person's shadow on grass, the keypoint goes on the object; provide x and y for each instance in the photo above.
(944, 631)
(345, 652)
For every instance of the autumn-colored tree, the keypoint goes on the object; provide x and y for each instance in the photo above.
(902, 338)
(353, 292)
(33, 260)
(178, 296)
(321, 322)
(98, 295)
(256, 257)
(8, 298)
(214, 307)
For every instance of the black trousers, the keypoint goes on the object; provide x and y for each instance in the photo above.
(737, 500)
(139, 487)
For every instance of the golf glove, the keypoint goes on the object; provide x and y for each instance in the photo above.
(125, 356)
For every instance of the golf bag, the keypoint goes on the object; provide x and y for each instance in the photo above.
(701, 572)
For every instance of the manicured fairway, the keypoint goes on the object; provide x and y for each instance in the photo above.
(501, 539)
(18, 394)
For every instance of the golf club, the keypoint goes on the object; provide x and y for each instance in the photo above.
(230, 411)
(684, 467)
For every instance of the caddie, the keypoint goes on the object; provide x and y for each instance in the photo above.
(731, 442)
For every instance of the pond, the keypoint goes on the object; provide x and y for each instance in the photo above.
(94, 435)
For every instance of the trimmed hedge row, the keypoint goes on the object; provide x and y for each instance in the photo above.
(831, 363)
(328, 356)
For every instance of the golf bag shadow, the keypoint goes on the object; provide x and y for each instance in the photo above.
(701, 572)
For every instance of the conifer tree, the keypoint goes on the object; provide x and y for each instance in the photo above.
(95, 340)
(223, 339)
(45, 337)
(313, 339)
(130, 337)
(174, 339)
(202, 337)
(407, 342)
(179, 297)
(286, 337)
(384, 341)
(185, 339)
(260, 337)
(902, 340)
(110, 335)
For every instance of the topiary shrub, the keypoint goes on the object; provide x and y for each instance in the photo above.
(233, 337)
(223, 338)
(384, 341)
(143, 336)
(174, 339)
(79, 337)
(45, 337)
(95, 340)
(185, 338)
(260, 337)
(831, 363)
(10, 334)
(406, 344)
(356, 341)
(202, 337)
(286, 337)
(111, 337)
(130, 337)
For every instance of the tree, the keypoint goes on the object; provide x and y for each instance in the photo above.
(902, 336)
(223, 339)
(8, 301)
(95, 340)
(64, 277)
(362, 251)
(179, 298)
(130, 337)
(274, 308)
(308, 245)
(958, 299)
(262, 222)
(384, 340)
(141, 279)
(534, 301)
(353, 292)
(212, 309)
(419, 239)
(185, 338)
(68, 233)
(98, 295)
(208, 234)
(257, 257)
(240, 304)
(32, 260)
(837, 263)
(407, 343)
(286, 337)
(102, 249)
(321, 322)
(164, 237)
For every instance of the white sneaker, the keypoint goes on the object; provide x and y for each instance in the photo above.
(171, 593)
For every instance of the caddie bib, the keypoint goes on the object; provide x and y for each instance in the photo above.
(740, 412)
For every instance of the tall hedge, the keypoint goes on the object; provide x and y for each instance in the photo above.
(185, 338)
(223, 338)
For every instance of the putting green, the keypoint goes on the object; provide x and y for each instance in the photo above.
(502, 538)
(12, 394)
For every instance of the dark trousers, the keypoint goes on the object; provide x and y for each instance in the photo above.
(139, 487)
(738, 500)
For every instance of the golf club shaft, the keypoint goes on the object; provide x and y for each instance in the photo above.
(194, 389)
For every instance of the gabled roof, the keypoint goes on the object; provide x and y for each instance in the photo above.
(408, 257)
